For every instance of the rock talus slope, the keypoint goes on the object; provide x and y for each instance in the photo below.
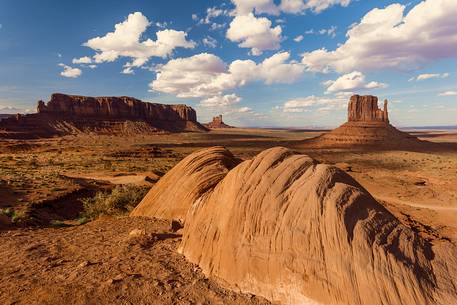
(297, 232)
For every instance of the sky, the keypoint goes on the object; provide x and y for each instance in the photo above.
(264, 63)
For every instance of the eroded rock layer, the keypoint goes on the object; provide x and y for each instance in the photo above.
(367, 125)
(295, 231)
(71, 114)
(175, 192)
(217, 123)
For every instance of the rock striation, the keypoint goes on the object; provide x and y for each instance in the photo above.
(216, 123)
(367, 125)
(365, 109)
(70, 114)
(198, 173)
(285, 227)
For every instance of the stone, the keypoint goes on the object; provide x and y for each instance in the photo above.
(283, 226)
(216, 123)
(367, 125)
(73, 114)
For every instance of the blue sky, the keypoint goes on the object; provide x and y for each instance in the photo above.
(290, 63)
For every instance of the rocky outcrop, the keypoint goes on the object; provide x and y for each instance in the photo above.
(367, 125)
(185, 183)
(285, 227)
(70, 114)
(365, 109)
(216, 123)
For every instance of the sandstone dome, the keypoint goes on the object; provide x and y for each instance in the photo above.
(285, 227)
(196, 174)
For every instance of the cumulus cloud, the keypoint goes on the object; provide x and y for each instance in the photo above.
(126, 41)
(206, 75)
(220, 101)
(429, 76)
(313, 103)
(14, 110)
(351, 81)
(70, 71)
(254, 33)
(82, 60)
(389, 39)
(448, 93)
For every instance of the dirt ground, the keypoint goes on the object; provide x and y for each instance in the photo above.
(100, 263)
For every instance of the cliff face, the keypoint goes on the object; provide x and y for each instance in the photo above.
(365, 109)
(62, 105)
(71, 114)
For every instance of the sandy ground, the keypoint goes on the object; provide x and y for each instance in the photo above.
(104, 262)
(98, 263)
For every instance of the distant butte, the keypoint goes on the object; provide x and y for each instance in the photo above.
(367, 125)
(72, 114)
(217, 122)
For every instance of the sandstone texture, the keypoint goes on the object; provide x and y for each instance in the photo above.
(367, 125)
(198, 173)
(216, 123)
(71, 114)
(285, 227)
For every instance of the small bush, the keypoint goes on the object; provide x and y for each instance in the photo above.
(121, 200)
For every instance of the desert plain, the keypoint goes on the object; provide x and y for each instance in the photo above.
(54, 253)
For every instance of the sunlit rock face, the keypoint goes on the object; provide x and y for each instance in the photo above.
(72, 114)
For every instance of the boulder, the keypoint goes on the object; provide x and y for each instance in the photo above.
(285, 227)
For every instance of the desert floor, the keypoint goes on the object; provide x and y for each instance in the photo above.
(49, 257)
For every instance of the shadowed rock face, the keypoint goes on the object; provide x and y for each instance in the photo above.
(295, 231)
(71, 114)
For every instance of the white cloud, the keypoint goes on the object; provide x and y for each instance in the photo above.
(254, 33)
(313, 103)
(244, 7)
(298, 38)
(383, 39)
(331, 31)
(220, 101)
(429, 76)
(125, 41)
(194, 17)
(70, 71)
(244, 109)
(211, 13)
(206, 75)
(82, 60)
(448, 93)
(210, 42)
(13, 110)
(351, 81)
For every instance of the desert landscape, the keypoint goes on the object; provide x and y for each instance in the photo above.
(241, 152)
(89, 217)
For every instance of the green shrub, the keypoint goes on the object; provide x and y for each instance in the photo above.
(122, 199)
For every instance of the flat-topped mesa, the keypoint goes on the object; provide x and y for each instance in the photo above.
(73, 114)
(62, 105)
(365, 109)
